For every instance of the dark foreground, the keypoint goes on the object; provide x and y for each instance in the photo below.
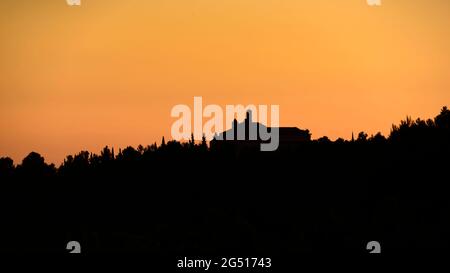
(314, 199)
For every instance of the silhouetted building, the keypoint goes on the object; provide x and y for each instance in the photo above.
(247, 135)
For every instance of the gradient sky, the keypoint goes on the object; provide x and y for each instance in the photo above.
(109, 72)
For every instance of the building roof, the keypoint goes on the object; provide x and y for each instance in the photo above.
(286, 134)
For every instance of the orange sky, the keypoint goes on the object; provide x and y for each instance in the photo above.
(109, 72)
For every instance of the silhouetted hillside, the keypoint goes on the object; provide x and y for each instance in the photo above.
(188, 198)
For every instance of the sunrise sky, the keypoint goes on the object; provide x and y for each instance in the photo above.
(109, 72)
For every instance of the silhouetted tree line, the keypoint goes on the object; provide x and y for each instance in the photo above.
(189, 198)
(409, 132)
